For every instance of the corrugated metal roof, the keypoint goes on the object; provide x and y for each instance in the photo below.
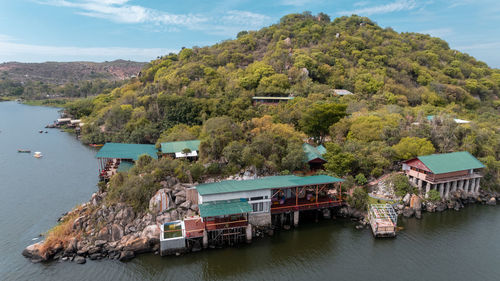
(222, 208)
(263, 183)
(127, 151)
(313, 152)
(450, 162)
(179, 146)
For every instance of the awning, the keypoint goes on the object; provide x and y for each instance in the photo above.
(222, 208)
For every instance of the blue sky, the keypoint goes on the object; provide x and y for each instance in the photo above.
(99, 30)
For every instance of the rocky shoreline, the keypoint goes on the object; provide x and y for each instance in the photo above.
(101, 231)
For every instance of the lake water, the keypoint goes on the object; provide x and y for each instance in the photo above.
(451, 245)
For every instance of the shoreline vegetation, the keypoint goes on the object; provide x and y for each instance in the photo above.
(407, 92)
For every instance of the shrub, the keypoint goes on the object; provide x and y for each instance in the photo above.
(401, 185)
(359, 198)
(433, 195)
(361, 179)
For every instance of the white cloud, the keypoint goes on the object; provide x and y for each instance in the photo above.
(396, 6)
(121, 11)
(10, 51)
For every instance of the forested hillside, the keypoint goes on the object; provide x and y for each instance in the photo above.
(398, 79)
(64, 79)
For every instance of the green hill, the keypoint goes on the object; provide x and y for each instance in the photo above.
(398, 79)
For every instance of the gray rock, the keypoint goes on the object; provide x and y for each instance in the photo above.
(179, 200)
(181, 193)
(80, 260)
(100, 243)
(194, 207)
(186, 205)
(406, 199)
(116, 232)
(492, 201)
(174, 215)
(441, 206)
(95, 256)
(408, 212)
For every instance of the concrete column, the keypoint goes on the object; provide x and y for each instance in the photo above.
(453, 186)
(447, 190)
(427, 187)
(419, 185)
(205, 239)
(441, 190)
(466, 187)
(461, 185)
(249, 233)
(296, 218)
(478, 184)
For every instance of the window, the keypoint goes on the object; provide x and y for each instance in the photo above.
(260, 207)
(256, 198)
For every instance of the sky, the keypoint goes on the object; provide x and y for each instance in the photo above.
(141, 30)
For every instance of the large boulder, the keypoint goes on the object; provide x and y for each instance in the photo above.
(137, 245)
(408, 212)
(161, 201)
(416, 202)
(126, 255)
(33, 252)
(116, 232)
(186, 205)
(80, 260)
(103, 234)
(151, 232)
(125, 215)
(72, 246)
(406, 199)
(179, 200)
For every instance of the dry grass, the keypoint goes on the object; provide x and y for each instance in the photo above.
(61, 234)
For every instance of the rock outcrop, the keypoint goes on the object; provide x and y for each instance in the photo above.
(115, 231)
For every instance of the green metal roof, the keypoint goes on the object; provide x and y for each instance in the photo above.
(263, 183)
(124, 166)
(313, 152)
(179, 146)
(127, 151)
(221, 208)
(450, 162)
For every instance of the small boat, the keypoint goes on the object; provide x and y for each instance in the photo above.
(96, 145)
(24, 151)
(40, 132)
(38, 155)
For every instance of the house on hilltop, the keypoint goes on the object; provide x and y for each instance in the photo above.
(445, 172)
(314, 156)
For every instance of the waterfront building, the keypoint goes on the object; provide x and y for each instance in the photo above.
(270, 100)
(181, 149)
(274, 195)
(445, 173)
(314, 156)
(118, 157)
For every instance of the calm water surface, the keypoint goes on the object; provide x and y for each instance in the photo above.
(451, 245)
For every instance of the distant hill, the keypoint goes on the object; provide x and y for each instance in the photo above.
(64, 72)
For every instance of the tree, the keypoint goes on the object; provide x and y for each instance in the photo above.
(317, 120)
(411, 147)
(401, 185)
(359, 199)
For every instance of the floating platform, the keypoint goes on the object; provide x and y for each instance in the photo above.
(383, 220)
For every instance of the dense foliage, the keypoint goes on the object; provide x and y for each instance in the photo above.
(398, 79)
